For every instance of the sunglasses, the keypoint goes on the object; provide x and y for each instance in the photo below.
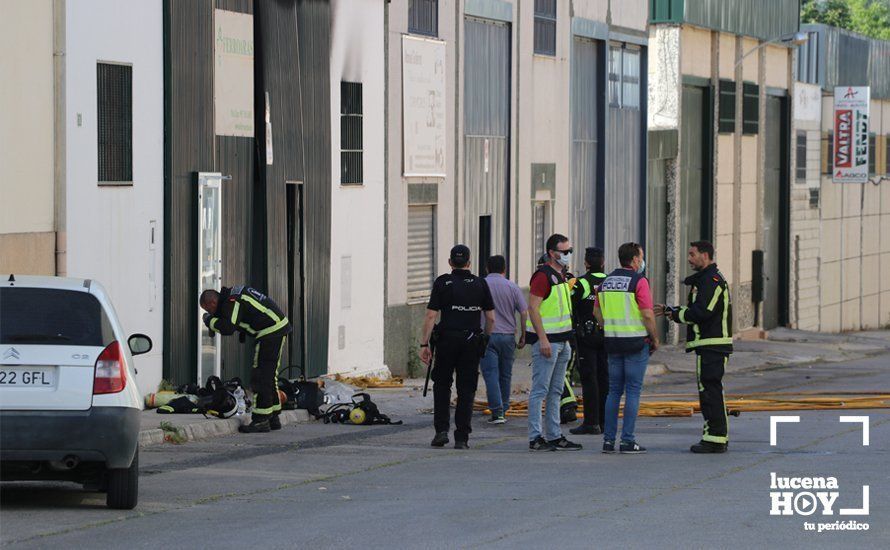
(566, 251)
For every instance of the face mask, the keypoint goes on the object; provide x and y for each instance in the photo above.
(642, 267)
(565, 259)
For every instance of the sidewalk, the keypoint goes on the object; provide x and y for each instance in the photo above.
(193, 427)
(783, 347)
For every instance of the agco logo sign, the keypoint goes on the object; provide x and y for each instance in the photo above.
(807, 495)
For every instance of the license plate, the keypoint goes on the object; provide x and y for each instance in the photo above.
(27, 377)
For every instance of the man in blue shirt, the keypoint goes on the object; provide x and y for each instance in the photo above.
(497, 364)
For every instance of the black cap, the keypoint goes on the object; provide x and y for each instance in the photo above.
(460, 255)
(593, 255)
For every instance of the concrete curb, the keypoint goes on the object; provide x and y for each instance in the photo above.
(206, 429)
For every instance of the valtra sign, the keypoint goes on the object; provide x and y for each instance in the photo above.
(851, 134)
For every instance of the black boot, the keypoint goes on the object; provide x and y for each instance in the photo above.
(586, 429)
(461, 445)
(707, 447)
(440, 440)
(255, 426)
(274, 422)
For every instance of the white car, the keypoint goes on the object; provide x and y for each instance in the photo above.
(69, 405)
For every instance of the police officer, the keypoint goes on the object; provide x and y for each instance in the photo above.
(592, 364)
(708, 320)
(254, 314)
(457, 298)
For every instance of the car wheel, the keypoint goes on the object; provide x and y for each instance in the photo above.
(123, 486)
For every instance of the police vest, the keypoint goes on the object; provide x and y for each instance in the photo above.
(583, 296)
(462, 301)
(556, 309)
(622, 321)
(584, 293)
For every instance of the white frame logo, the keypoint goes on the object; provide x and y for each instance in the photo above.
(805, 496)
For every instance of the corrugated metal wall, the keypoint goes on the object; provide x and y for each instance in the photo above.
(189, 147)
(292, 61)
(844, 58)
(764, 19)
(236, 158)
(278, 78)
(662, 156)
(586, 91)
(879, 69)
(314, 32)
(695, 166)
(487, 131)
(624, 178)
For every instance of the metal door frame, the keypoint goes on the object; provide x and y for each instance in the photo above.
(208, 180)
(297, 222)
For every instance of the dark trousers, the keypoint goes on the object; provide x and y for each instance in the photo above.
(710, 366)
(264, 376)
(456, 356)
(593, 367)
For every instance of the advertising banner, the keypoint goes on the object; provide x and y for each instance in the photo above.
(851, 134)
(233, 74)
(423, 106)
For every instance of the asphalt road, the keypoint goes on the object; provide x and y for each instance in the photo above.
(323, 486)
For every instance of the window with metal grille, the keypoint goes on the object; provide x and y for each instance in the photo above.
(872, 155)
(545, 27)
(423, 17)
(726, 107)
(801, 156)
(624, 77)
(114, 122)
(421, 250)
(828, 150)
(887, 154)
(750, 108)
(630, 78)
(540, 227)
(350, 133)
(615, 76)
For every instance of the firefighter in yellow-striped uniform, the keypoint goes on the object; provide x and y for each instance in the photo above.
(254, 314)
(708, 320)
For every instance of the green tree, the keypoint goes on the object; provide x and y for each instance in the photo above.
(868, 17)
(871, 18)
(831, 12)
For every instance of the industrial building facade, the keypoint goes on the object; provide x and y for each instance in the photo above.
(840, 255)
(719, 163)
(508, 121)
(330, 153)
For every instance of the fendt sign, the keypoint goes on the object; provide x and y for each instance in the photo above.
(851, 134)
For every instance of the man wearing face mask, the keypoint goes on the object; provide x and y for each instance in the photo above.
(549, 330)
(623, 308)
(708, 320)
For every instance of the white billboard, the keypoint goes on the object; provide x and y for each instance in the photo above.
(423, 106)
(233, 74)
(851, 134)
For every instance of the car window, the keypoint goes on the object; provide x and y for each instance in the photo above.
(52, 317)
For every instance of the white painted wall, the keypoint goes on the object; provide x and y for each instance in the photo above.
(357, 219)
(108, 227)
(26, 130)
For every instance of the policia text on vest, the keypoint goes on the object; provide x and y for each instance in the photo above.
(457, 298)
(252, 313)
(708, 319)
